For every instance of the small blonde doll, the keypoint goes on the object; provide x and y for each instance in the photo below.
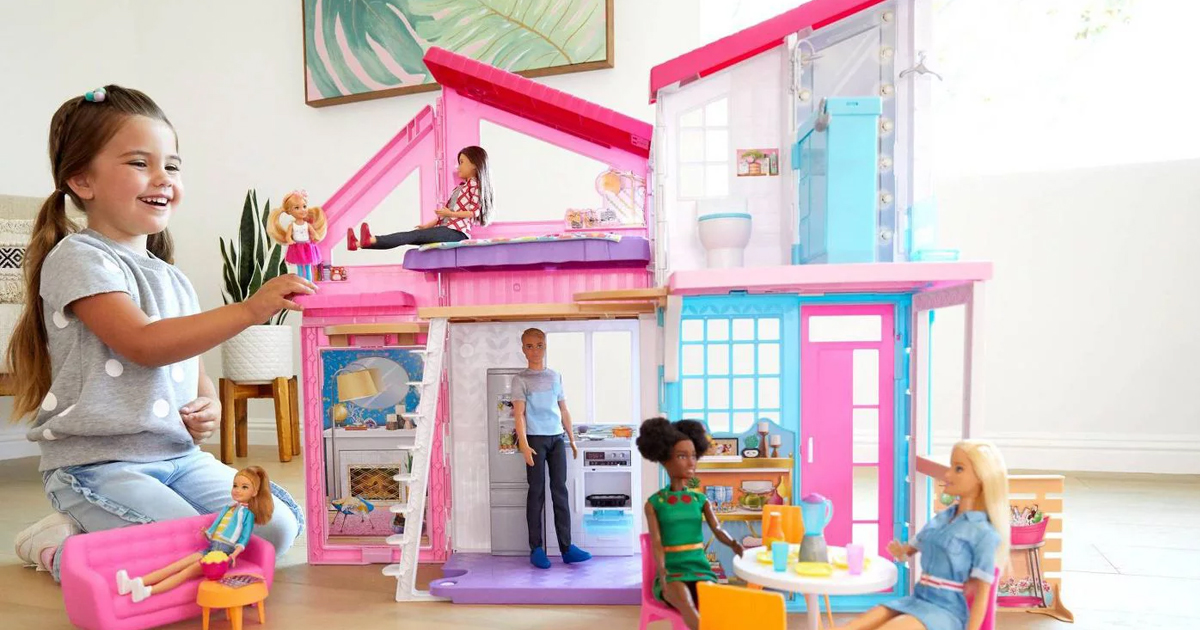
(960, 548)
(301, 237)
(229, 533)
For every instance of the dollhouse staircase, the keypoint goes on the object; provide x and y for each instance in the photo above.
(416, 479)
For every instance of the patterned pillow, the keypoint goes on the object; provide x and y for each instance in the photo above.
(14, 236)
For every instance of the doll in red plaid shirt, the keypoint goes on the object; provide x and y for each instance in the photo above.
(469, 203)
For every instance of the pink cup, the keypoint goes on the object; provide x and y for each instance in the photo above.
(854, 559)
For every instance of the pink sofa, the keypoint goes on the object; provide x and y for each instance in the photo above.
(90, 563)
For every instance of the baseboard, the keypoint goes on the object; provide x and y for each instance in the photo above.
(14, 446)
(261, 432)
(1094, 452)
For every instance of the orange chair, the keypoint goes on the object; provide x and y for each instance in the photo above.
(793, 532)
(732, 608)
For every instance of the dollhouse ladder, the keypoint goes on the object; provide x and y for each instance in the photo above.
(416, 479)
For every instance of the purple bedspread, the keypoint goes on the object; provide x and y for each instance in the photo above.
(630, 251)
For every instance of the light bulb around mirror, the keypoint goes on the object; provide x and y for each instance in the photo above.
(886, 53)
(885, 163)
(886, 90)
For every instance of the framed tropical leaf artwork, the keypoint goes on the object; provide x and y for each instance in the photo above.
(363, 49)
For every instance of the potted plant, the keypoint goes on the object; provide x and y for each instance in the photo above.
(262, 352)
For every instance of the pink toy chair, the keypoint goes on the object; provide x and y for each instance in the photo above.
(652, 609)
(90, 563)
(989, 618)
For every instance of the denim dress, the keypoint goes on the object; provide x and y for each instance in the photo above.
(953, 550)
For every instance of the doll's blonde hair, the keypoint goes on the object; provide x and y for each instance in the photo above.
(989, 468)
(316, 218)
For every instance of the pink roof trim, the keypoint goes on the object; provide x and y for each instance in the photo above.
(747, 43)
(533, 101)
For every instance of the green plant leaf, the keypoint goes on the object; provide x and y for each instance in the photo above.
(356, 46)
(246, 236)
(517, 35)
(229, 272)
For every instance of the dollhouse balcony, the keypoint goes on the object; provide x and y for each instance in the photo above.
(908, 277)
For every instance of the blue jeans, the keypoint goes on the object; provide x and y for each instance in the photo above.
(116, 494)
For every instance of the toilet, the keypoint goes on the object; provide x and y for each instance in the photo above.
(724, 227)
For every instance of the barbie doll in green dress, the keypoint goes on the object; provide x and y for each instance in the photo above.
(675, 514)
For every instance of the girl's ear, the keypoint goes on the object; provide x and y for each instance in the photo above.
(81, 185)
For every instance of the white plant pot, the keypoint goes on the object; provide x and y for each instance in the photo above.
(259, 354)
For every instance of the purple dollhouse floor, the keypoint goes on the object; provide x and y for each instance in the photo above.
(478, 578)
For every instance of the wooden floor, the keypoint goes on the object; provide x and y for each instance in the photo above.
(1132, 561)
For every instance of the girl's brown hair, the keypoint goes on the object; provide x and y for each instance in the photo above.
(78, 132)
(261, 504)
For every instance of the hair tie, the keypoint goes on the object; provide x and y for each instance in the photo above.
(95, 96)
(301, 192)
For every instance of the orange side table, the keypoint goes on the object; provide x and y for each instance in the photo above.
(213, 594)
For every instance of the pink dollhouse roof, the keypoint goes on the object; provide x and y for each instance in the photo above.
(534, 101)
(747, 43)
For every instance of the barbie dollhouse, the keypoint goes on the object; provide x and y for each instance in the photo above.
(755, 266)
(377, 347)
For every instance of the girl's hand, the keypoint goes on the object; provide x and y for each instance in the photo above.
(737, 548)
(201, 417)
(898, 551)
(443, 212)
(276, 295)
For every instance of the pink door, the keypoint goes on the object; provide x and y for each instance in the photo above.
(846, 400)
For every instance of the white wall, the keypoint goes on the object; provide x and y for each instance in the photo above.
(1091, 338)
(229, 74)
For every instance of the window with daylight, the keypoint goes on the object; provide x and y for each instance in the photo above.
(600, 377)
(704, 153)
(730, 371)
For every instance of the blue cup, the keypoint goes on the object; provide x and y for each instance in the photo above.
(779, 555)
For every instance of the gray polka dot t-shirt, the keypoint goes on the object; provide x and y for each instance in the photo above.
(102, 406)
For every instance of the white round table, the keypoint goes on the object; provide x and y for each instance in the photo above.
(880, 574)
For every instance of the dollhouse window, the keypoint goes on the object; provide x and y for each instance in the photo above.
(704, 158)
(599, 374)
(730, 371)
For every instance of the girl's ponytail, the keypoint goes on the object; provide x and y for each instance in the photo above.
(28, 352)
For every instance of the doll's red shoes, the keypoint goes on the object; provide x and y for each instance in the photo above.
(364, 238)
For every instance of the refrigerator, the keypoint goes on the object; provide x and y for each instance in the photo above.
(508, 482)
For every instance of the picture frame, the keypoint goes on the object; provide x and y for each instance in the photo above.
(352, 53)
(723, 447)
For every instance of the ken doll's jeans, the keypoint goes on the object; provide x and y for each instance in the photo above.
(116, 494)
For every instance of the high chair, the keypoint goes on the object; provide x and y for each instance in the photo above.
(652, 609)
(732, 608)
(793, 533)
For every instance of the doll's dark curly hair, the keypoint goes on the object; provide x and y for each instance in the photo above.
(658, 436)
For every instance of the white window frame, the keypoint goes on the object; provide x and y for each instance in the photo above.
(682, 161)
(585, 413)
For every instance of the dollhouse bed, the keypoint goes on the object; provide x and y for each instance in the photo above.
(558, 250)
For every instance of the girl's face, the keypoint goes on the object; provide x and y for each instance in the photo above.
(466, 170)
(133, 186)
(682, 462)
(961, 480)
(297, 207)
(243, 490)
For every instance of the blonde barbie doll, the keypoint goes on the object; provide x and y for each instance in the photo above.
(959, 548)
(301, 237)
